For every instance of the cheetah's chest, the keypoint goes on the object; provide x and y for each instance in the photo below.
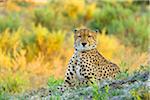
(78, 69)
(81, 64)
(78, 73)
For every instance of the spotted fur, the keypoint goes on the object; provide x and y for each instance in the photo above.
(87, 64)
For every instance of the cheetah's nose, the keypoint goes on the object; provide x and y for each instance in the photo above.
(84, 44)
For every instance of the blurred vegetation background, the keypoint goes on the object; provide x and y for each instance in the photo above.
(36, 40)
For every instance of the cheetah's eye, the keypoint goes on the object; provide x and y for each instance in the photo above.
(89, 36)
(79, 36)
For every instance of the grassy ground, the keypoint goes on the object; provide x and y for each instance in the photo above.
(135, 86)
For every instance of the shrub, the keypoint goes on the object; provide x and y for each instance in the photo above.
(10, 21)
(23, 3)
(48, 18)
(124, 22)
(12, 84)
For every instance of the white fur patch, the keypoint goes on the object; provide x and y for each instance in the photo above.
(78, 73)
(80, 77)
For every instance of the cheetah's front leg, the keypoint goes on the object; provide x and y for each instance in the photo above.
(70, 76)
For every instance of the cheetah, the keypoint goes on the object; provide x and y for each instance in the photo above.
(87, 64)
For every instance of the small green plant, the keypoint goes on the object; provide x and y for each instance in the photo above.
(116, 92)
(53, 83)
(100, 94)
(96, 94)
(55, 98)
(124, 73)
(13, 85)
(135, 94)
(4, 96)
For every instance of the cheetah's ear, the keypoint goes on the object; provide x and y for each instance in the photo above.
(75, 30)
(98, 31)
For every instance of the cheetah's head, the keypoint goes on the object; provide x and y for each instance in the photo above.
(84, 39)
